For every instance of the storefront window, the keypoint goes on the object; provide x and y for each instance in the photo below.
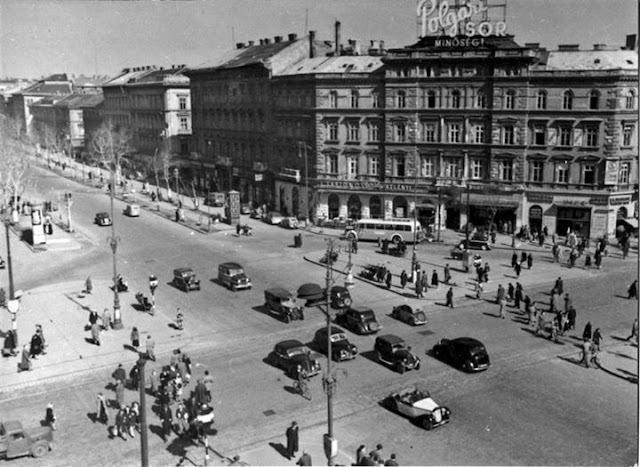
(577, 220)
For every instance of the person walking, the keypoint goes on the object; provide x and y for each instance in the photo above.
(419, 293)
(447, 274)
(450, 297)
(479, 290)
(597, 339)
(633, 290)
(519, 295)
(120, 429)
(559, 286)
(555, 250)
(523, 258)
(119, 390)
(93, 317)
(634, 331)
(587, 261)
(106, 319)
(361, 452)
(102, 414)
(50, 416)
(119, 374)
(568, 303)
(518, 269)
(511, 291)
(88, 285)
(434, 279)
(586, 334)
(403, 279)
(135, 338)
(292, 434)
(167, 422)
(571, 317)
(387, 279)
(376, 454)
(514, 259)
(151, 347)
(485, 272)
(529, 261)
(586, 352)
(95, 333)
(182, 424)
(134, 377)
(540, 324)
(598, 259)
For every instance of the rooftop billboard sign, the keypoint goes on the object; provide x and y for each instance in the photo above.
(469, 18)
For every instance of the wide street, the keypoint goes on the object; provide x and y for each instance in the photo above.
(536, 405)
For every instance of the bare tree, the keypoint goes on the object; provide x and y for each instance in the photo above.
(15, 167)
(110, 147)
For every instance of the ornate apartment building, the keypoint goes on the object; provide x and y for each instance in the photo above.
(455, 128)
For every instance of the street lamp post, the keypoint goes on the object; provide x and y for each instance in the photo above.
(330, 444)
(113, 242)
(144, 445)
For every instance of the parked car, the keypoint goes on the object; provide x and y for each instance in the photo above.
(215, 199)
(273, 218)
(393, 351)
(132, 210)
(341, 348)
(418, 406)
(289, 223)
(103, 219)
(288, 354)
(464, 352)
(15, 441)
(282, 303)
(475, 244)
(185, 278)
(410, 315)
(360, 319)
(232, 276)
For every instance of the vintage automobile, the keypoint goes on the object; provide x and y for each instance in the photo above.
(475, 244)
(290, 354)
(464, 352)
(103, 219)
(273, 218)
(340, 296)
(185, 278)
(410, 315)
(232, 276)
(282, 303)
(360, 319)
(132, 210)
(15, 441)
(393, 351)
(289, 223)
(341, 348)
(417, 405)
(374, 272)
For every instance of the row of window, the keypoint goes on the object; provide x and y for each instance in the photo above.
(454, 168)
(455, 99)
(425, 71)
(586, 134)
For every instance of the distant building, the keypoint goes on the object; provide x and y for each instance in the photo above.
(155, 104)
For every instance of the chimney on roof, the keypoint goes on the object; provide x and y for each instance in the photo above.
(630, 43)
(277, 39)
(251, 43)
(292, 37)
(312, 44)
(239, 45)
(354, 45)
(568, 47)
(381, 47)
(337, 29)
(267, 41)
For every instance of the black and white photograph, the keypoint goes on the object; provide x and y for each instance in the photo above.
(319, 232)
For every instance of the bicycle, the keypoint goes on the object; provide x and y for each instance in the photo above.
(301, 387)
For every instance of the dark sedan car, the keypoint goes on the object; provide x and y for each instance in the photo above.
(341, 348)
(475, 244)
(291, 354)
(359, 319)
(102, 219)
(464, 352)
(412, 316)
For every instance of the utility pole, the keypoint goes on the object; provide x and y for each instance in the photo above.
(69, 202)
(330, 444)
(144, 445)
(113, 242)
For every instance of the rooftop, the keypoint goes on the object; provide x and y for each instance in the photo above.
(343, 64)
(591, 60)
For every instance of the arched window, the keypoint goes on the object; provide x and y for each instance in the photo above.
(402, 99)
(481, 100)
(509, 100)
(567, 100)
(333, 99)
(630, 100)
(594, 100)
(541, 100)
(354, 207)
(355, 98)
(334, 206)
(455, 99)
(375, 208)
(431, 99)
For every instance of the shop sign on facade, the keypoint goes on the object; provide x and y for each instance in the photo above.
(611, 173)
(539, 198)
(599, 201)
(469, 19)
(571, 202)
(619, 200)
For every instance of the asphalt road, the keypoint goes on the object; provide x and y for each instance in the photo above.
(534, 406)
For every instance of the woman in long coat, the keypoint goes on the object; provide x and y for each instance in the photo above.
(95, 333)
(120, 394)
(101, 409)
(434, 279)
(25, 364)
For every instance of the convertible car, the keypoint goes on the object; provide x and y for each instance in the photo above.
(417, 405)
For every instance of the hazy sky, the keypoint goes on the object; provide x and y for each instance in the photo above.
(40, 37)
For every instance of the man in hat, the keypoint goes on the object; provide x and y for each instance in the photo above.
(292, 441)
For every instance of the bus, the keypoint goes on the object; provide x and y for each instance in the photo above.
(393, 230)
